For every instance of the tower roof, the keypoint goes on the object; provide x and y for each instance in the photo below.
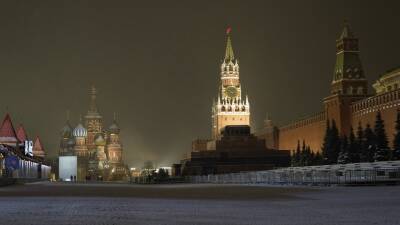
(93, 112)
(38, 149)
(347, 32)
(114, 128)
(21, 133)
(7, 131)
(66, 131)
(37, 145)
(229, 56)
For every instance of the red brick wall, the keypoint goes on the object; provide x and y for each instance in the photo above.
(346, 114)
(311, 130)
(365, 112)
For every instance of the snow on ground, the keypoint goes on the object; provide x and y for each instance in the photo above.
(324, 206)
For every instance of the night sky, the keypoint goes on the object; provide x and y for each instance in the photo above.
(156, 63)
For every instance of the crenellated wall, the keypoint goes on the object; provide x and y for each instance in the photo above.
(364, 111)
(311, 130)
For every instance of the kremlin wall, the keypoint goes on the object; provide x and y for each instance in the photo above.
(349, 102)
(233, 148)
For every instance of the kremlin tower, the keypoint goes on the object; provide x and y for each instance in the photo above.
(230, 107)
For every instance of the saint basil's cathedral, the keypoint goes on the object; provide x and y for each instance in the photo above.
(99, 150)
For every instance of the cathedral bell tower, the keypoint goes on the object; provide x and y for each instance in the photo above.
(93, 121)
(348, 84)
(230, 108)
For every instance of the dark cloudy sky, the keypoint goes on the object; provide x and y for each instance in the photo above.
(156, 63)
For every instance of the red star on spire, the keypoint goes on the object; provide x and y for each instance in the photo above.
(228, 30)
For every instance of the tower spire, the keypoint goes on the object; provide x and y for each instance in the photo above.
(93, 95)
(347, 32)
(229, 56)
(67, 114)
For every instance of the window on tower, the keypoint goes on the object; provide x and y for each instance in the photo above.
(360, 90)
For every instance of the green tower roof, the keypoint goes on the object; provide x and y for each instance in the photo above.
(229, 56)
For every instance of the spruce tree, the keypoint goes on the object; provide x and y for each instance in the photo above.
(312, 157)
(396, 140)
(331, 145)
(293, 157)
(303, 157)
(353, 148)
(326, 146)
(382, 152)
(344, 154)
(369, 146)
(318, 159)
(297, 155)
(334, 153)
(308, 156)
(360, 139)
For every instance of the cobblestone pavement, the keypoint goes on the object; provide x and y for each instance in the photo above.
(326, 206)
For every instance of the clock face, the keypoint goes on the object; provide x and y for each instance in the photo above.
(231, 92)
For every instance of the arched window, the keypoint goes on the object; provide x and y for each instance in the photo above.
(350, 90)
(360, 90)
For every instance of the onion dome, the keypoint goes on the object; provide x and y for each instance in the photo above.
(80, 131)
(114, 127)
(66, 131)
(100, 140)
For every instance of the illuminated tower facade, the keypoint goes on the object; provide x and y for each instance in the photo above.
(348, 84)
(80, 135)
(348, 76)
(93, 121)
(67, 141)
(230, 107)
(114, 146)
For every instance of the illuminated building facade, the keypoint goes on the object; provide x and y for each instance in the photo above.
(232, 147)
(99, 150)
(27, 157)
(230, 107)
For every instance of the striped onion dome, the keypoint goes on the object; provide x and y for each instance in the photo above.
(114, 128)
(80, 131)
